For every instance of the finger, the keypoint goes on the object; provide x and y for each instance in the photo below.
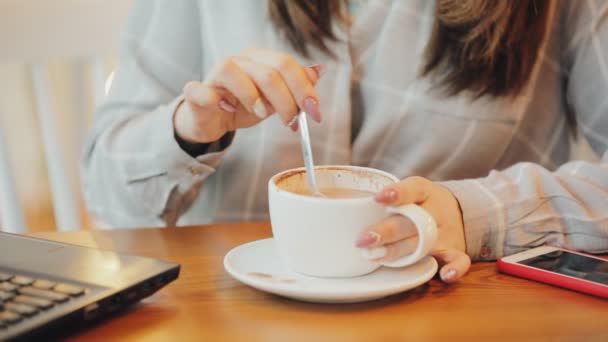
(201, 95)
(455, 264)
(272, 85)
(296, 78)
(294, 126)
(314, 72)
(199, 118)
(214, 107)
(389, 230)
(205, 103)
(231, 77)
(410, 190)
(392, 251)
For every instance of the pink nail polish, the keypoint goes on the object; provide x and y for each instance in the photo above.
(319, 69)
(449, 275)
(226, 106)
(386, 196)
(368, 239)
(294, 127)
(311, 107)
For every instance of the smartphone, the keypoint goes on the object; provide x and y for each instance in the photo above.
(560, 267)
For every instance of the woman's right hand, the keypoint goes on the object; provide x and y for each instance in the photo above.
(244, 90)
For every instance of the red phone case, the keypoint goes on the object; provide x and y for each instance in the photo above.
(551, 278)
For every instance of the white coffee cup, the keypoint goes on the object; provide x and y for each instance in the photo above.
(316, 236)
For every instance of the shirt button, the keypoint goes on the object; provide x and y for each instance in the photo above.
(485, 252)
(195, 171)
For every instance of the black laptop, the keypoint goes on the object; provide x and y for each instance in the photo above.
(48, 287)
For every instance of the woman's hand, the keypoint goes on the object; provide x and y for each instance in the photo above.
(242, 91)
(396, 236)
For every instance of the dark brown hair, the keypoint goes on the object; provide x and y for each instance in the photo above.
(488, 47)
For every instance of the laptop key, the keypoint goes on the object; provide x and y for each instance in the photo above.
(8, 287)
(33, 301)
(21, 280)
(44, 284)
(5, 276)
(50, 295)
(22, 309)
(5, 296)
(9, 317)
(68, 289)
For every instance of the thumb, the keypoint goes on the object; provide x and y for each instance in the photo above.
(454, 264)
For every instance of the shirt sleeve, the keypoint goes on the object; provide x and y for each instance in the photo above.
(526, 205)
(134, 171)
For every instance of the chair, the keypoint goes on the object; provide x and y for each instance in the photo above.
(34, 33)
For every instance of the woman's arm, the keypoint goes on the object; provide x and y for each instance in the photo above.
(132, 164)
(151, 149)
(526, 205)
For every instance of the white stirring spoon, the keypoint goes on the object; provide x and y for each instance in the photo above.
(307, 154)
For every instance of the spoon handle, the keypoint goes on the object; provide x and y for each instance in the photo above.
(307, 152)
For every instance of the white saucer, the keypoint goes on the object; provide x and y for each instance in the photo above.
(257, 264)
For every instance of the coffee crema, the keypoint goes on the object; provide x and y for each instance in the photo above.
(334, 192)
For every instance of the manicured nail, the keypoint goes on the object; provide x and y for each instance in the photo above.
(311, 107)
(293, 121)
(368, 239)
(259, 109)
(319, 69)
(294, 127)
(374, 253)
(449, 275)
(387, 196)
(226, 106)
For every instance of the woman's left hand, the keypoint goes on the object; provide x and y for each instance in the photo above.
(396, 236)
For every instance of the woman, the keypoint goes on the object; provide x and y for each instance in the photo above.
(475, 98)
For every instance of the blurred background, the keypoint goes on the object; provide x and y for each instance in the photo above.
(56, 62)
(58, 54)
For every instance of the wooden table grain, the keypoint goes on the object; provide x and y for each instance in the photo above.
(206, 304)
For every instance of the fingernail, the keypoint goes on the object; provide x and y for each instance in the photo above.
(387, 196)
(294, 127)
(449, 275)
(319, 69)
(226, 106)
(311, 107)
(374, 253)
(368, 239)
(259, 109)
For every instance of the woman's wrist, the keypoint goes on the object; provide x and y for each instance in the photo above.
(185, 128)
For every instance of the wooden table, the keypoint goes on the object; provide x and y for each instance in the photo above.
(206, 304)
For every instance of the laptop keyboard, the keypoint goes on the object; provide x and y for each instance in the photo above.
(23, 297)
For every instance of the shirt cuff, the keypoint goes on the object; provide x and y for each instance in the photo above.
(166, 157)
(196, 150)
(483, 218)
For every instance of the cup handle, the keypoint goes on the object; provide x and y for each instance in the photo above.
(427, 233)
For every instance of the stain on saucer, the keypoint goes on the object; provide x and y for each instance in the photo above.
(267, 276)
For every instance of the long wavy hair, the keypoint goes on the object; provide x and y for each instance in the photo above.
(488, 47)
